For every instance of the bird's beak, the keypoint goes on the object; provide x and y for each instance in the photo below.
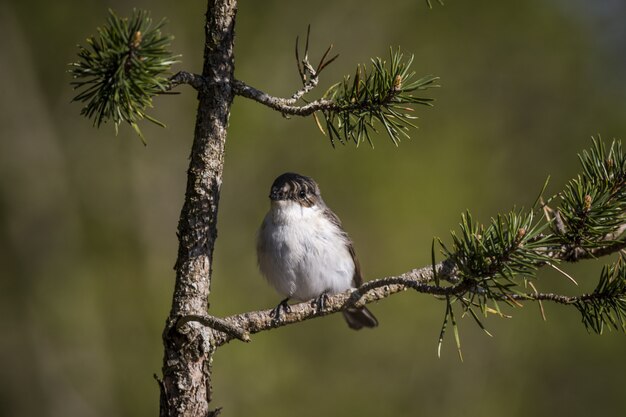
(276, 194)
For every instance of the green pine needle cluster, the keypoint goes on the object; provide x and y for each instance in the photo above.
(593, 204)
(494, 255)
(121, 69)
(606, 306)
(495, 262)
(384, 94)
(490, 259)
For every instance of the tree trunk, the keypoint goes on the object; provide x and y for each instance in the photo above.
(186, 384)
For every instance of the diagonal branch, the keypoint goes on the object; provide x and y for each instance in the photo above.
(240, 326)
(371, 291)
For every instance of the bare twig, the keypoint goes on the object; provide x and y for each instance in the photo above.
(283, 105)
(555, 298)
(183, 77)
(308, 74)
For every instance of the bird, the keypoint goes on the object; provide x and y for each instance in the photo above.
(303, 250)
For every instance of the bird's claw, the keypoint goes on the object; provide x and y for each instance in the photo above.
(283, 306)
(320, 302)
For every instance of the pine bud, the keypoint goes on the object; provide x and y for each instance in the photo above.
(587, 203)
(397, 83)
(137, 39)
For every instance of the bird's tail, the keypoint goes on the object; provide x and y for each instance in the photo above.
(358, 318)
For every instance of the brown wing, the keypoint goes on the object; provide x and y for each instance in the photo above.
(357, 318)
(357, 279)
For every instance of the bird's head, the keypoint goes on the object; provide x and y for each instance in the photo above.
(296, 188)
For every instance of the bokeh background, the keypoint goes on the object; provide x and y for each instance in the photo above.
(88, 219)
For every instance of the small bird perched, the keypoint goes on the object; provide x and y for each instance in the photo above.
(303, 250)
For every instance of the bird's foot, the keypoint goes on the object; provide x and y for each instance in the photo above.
(320, 302)
(279, 309)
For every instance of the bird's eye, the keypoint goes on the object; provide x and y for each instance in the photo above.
(302, 194)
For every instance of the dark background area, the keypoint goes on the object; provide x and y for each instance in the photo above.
(88, 219)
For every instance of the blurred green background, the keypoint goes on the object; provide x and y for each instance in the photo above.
(88, 219)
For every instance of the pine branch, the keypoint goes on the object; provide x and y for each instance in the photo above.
(418, 280)
(375, 290)
(122, 69)
(384, 95)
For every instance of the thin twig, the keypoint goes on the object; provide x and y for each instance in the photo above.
(184, 77)
(555, 298)
(308, 75)
(217, 324)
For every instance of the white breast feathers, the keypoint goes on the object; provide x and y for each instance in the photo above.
(302, 253)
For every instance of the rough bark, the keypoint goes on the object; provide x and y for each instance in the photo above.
(186, 383)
